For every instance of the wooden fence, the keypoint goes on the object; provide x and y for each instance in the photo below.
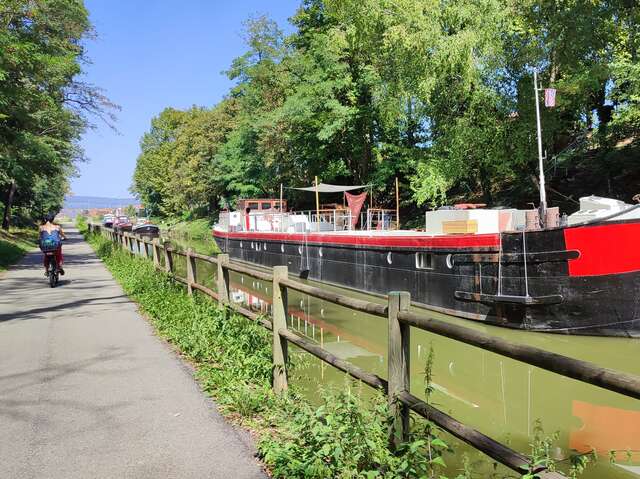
(400, 320)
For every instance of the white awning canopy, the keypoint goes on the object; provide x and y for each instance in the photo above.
(326, 188)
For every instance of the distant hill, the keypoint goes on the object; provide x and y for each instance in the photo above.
(91, 202)
(94, 205)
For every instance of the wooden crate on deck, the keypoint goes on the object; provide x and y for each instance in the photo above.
(460, 227)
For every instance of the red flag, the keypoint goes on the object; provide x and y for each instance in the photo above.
(549, 97)
(355, 203)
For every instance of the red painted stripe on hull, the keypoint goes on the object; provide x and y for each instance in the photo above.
(604, 249)
(457, 241)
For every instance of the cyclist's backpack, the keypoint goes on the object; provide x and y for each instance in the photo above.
(50, 241)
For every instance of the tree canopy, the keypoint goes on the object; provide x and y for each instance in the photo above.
(438, 93)
(43, 106)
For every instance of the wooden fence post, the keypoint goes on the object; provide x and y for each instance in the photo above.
(191, 271)
(168, 260)
(155, 252)
(279, 321)
(223, 279)
(144, 251)
(398, 362)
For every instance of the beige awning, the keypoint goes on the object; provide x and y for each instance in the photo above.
(326, 188)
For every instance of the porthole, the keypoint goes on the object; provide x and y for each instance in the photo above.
(424, 261)
(320, 252)
(282, 248)
(299, 249)
(389, 258)
(449, 261)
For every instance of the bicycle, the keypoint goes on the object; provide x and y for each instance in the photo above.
(53, 271)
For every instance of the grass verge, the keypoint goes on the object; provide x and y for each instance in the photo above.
(200, 228)
(14, 244)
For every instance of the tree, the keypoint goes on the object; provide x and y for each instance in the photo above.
(437, 93)
(43, 108)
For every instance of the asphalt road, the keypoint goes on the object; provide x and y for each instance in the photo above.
(88, 391)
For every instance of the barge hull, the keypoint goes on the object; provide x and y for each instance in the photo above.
(564, 283)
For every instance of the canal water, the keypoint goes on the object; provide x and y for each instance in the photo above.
(498, 396)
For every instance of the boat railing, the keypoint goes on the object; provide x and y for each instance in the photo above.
(400, 319)
(324, 220)
(381, 219)
(308, 221)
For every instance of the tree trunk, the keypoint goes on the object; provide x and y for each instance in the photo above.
(485, 185)
(6, 220)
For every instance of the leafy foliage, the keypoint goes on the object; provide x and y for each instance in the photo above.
(43, 108)
(437, 93)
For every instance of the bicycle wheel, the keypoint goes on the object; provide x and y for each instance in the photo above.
(53, 276)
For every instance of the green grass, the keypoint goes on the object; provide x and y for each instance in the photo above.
(346, 437)
(200, 228)
(15, 243)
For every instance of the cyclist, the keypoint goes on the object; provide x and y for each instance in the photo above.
(51, 236)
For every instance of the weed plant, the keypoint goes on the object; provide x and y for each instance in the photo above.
(345, 437)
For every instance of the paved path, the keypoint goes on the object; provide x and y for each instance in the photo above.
(87, 391)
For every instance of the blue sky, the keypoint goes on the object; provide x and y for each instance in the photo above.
(153, 54)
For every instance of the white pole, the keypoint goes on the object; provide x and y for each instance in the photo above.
(543, 194)
(281, 210)
(317, 206)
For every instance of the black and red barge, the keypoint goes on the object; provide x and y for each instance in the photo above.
(573, 279)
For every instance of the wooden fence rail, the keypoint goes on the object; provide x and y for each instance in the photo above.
(400, 320)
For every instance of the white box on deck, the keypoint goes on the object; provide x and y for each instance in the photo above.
(599, 203)
(489, 221)
(297, 224)
(596, 207)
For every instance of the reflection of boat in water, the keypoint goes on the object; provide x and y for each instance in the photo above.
(498, 396)
(493, 265)
(604, 429)
(345, 346)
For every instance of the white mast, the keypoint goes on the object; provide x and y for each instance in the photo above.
(543, 193)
